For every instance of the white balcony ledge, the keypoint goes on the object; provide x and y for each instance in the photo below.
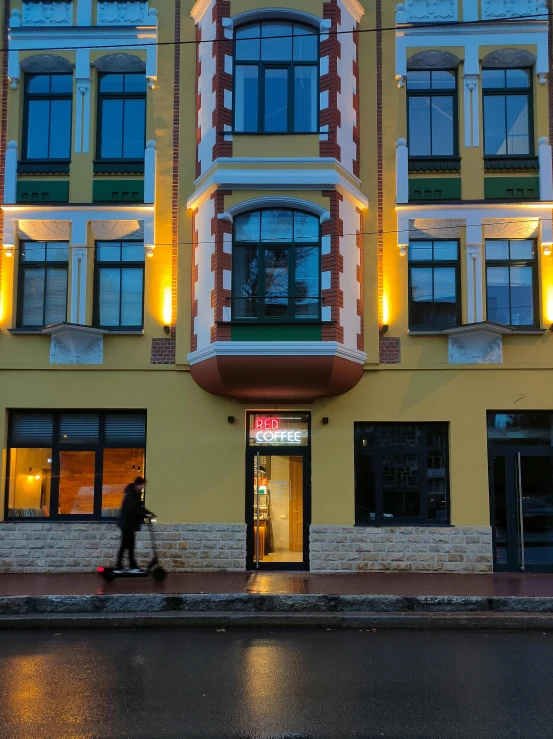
(73, 343)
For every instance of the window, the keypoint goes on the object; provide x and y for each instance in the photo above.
(432, 104)
(401, 473)
(434, 284)
(42, 283)
(511, 282)
(276, 78)
(47, 126)
(276, 265)
(72, 465)
(507, 112)
(119, 289)
(122, 116)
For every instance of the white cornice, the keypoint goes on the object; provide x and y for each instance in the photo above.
(277, 349)
(354, 8)
(199, 9)
(81, 37)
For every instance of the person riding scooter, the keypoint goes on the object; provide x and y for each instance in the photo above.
(131, 517)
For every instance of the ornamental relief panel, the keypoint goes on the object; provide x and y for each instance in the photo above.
(511, 228)
(431, 10)
(47, 13)
(511, 8)
(126, 13)
(44, 230)
(435, 228)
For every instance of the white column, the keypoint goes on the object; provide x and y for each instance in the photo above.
(149, 243)
(151, 53)
(14, 72)
(401, 61)
(150, 172)
(403, 233)
(10, 176)
(546, 236)
(82, 114)
(475, 291)
(402, 171)
(84, 12)
(472, 107)
(79, 262)
(546, 169)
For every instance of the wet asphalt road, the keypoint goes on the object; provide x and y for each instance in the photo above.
(275, 685)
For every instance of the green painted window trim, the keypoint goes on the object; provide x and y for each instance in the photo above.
(435, 188)
(43, 168)
(118, 167)
(274, 332)
(434, 164)
(492, 164)
(42, 191)
(511, 188)
(118, 191)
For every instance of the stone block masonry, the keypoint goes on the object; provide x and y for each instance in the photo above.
(82, 547)
(401, 549)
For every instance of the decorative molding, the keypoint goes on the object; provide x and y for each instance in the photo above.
(511, 228)
(46, 64)
(276, 349)
(274, 202)
(117, 13)
(433, 59)
(508, 58)
(477, 343)
(75, 344)
(199, 9)
(120, 63)
(435, 228)
(500, 9)
(108, 230)
(44, 230)
(47, 13)
(43, 168)
(251, 16)
(427, 11)
(118, 167)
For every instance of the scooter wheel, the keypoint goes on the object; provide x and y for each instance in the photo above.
(159, 574)
(108, 576)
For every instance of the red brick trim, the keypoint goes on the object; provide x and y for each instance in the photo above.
(220, 261)
(175, 184)
(193, 281)
(380, 165)
(333, 263)
(361, 281)
(390, 350)
(163, 351)
(221, 81)
(198, 100)
(331, 82)
(357, 127)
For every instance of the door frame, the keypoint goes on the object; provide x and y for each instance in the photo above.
(277, 451)
(514, 543)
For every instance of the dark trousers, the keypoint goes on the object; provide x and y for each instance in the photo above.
(127, 545)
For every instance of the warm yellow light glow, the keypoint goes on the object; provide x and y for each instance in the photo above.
(167, 308)
(37, 477)
(547, 249)
(549, 304)
(385, 308)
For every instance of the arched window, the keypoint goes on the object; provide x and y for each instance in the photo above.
(276, 88)
(276, 265)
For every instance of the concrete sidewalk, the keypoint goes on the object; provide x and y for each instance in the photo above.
(376, 600)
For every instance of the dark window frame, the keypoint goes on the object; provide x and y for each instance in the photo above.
(58, 447)
(436, 93)
(423, 450)
(22, 266)
(432, 264)
(262, 246)
(98, 266)
(533, 263)
(503, 92)
(27, 97)
(119, 96)
(262, 66)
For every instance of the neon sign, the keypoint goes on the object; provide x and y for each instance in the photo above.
(285, 430)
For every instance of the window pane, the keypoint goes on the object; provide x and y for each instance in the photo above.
(276, 225)
(495, 143)
(276, 49)
(248, 43)
(400, 486)
(112, 129)
(60, 129)
(518, 138)
(108, 252)
(246, 98)
(79, 428)
(418, 80)
(445, 251)
(419, 126)
(245, 275)
(420, 251)
(307, 281)
(443, 80)
(132, 280)
(493, 78)
(135, 83)
(62, 84)
(33, 252)
(522, 297)
(306, 227)
(422, 310)
(442, 126)
(445, 297)
(29, 483)
(276, 100)
(77, 477)
(518, 78)
(522, 249)
(39, 83)
(37, 129)
(365, 490)
(306, 44)
(305, 99)
(34, 280)
(400, 434)
(32, 428)
(121, 466)
(497, 250)
(125, 428)
(57, 251)
(247, 227)
(276, 282)
(111, 83)
(132, 252)
(134, 129)
(498, 295)
(56, 295)
(109, 289)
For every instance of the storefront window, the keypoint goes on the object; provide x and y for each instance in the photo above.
(278, 429)
(401, 474)
(73, 465)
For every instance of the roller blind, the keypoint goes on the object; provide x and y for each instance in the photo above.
(78, 428)
(32, 429)
(127, 428)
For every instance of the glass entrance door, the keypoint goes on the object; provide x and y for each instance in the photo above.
(521, 484)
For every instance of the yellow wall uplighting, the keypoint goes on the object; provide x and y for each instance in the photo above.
(167, 308)
(549, 304)
(385, 308)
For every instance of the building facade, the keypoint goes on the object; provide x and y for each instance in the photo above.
(293, 263)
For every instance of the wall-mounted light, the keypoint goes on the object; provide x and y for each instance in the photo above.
(402, 250)
(8, 250)
(547, 248)
(149, 249)
(167, 330)
(230, 419)
(325, 420)
(384, 328)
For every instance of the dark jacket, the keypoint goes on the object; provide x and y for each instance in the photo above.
(132, 512)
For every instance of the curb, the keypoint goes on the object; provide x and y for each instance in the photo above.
(277, 620)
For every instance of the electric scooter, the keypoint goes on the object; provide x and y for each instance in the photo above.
(154, 568)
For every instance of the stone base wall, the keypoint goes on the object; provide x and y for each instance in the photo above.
(82, 547)
(401, 549)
